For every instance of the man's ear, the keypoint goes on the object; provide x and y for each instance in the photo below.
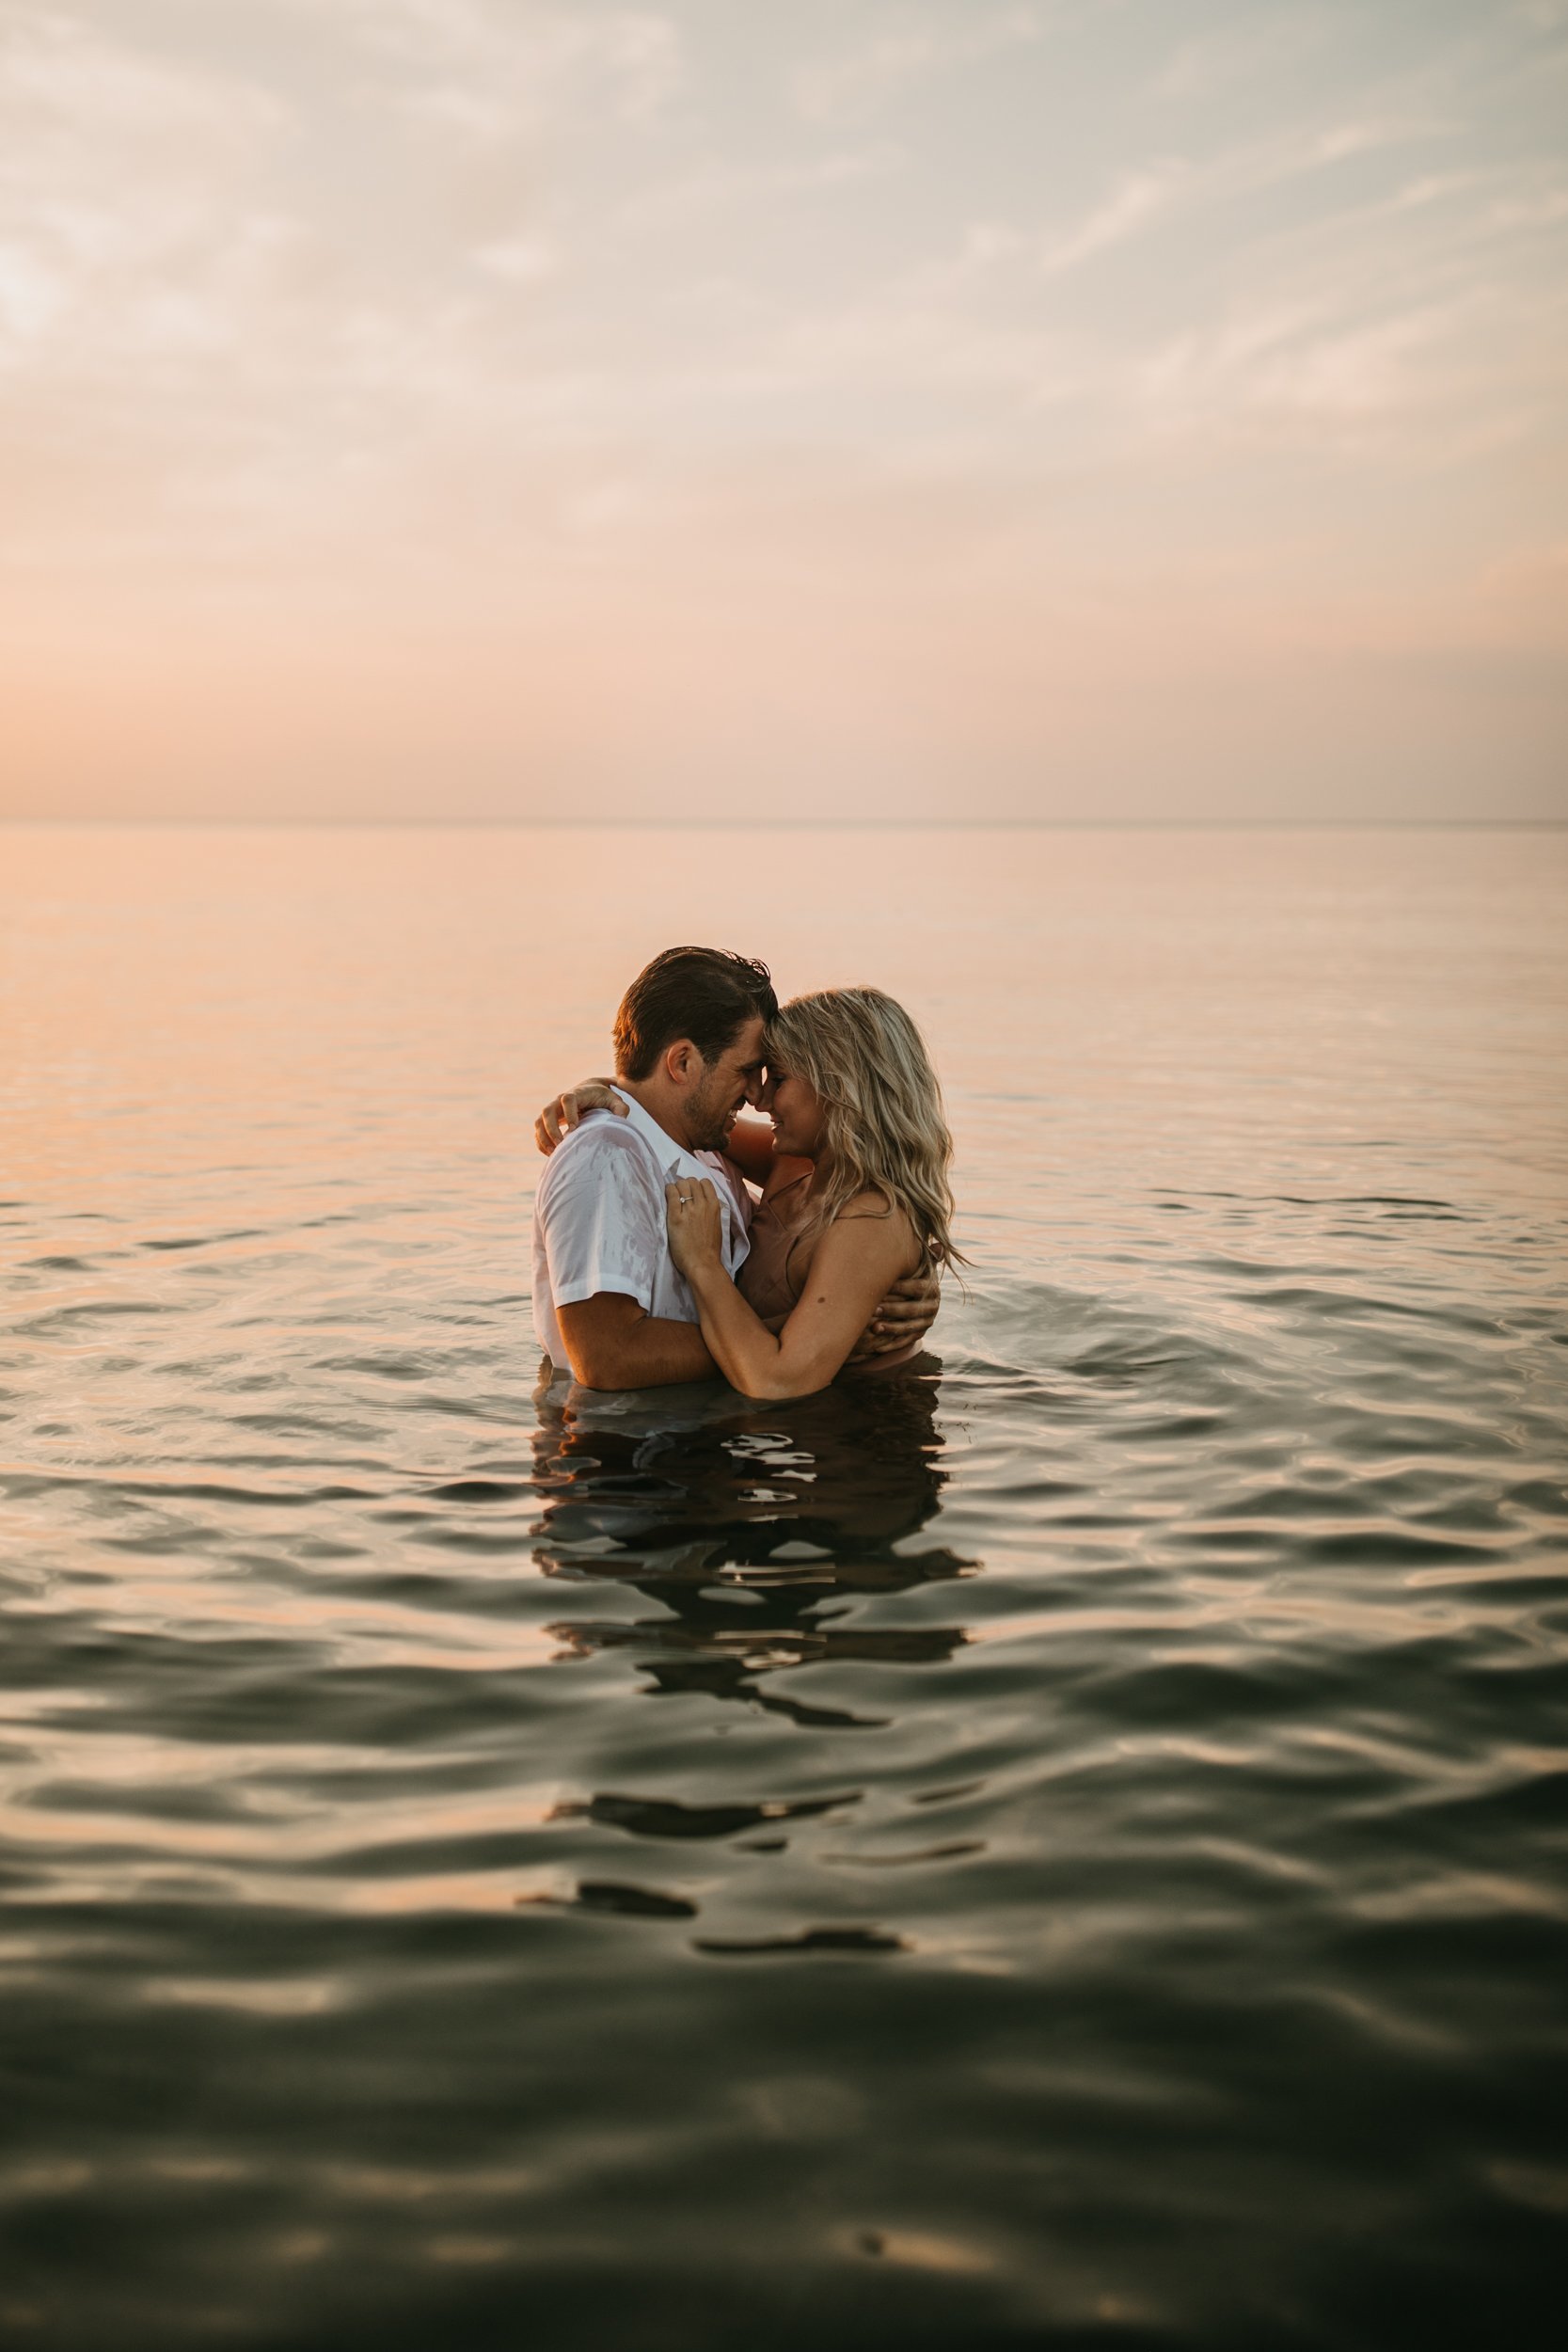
(683, 1064)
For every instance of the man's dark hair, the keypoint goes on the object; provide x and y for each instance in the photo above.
(700, 992)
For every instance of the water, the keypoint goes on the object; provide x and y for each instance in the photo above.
(1064, 1849)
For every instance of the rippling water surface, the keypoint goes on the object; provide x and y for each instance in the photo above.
(1067, 1847)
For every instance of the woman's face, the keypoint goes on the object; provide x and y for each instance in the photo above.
(796, 1110)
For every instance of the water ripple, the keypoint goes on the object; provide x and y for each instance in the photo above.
(1063, 1847)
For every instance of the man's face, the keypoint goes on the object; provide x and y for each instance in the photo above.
(734, 1078)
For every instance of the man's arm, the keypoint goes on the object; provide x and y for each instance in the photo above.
(558, 1118)
(906, 1315)
(613, 1342)
(749, 1145)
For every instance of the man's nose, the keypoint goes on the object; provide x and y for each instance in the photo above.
(758, 1090)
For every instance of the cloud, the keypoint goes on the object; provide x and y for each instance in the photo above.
(1216, 61)
(523, 53)
(724, 182)
(860, 80)
(123, 196)
(1523, 598)
(523, 260)
(1157, 190)
(1294, 362)
(1536, 208)
(1140, 200)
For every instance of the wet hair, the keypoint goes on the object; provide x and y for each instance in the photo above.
(704, 993)
(882, 1124)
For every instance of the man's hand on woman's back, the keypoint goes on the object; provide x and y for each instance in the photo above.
(906, 1314)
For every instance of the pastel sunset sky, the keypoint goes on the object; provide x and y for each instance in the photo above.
(1072, 409)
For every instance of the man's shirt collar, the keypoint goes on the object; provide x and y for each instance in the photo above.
(674, 1157)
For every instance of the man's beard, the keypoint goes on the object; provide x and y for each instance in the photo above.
(708, 1117)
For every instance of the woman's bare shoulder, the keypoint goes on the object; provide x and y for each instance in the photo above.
(892, 1226)
(872, 1202)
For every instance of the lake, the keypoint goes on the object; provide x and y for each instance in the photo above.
(1064, 1848)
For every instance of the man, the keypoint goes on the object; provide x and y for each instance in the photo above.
(608, 1301)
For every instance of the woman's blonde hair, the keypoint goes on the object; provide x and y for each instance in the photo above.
(882, 1120)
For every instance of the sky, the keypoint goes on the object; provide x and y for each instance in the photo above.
(1074, 411)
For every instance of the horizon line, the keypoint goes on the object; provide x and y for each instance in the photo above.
(800, 824)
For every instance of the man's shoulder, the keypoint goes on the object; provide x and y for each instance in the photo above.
(599, 1143)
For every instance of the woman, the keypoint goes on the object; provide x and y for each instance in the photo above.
(855, 1193)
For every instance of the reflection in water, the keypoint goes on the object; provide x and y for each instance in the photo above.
(693, 1495)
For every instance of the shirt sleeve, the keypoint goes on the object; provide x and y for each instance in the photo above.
(602, 1219)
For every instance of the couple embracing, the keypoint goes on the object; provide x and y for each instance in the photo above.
(675, 1238)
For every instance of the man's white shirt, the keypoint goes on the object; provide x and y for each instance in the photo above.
(600, 1220)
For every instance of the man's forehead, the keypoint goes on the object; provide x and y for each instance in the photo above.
(747, 1045)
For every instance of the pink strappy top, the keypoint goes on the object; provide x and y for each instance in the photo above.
(771, 1279)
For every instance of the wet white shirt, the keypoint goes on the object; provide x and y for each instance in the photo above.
(600, 1220)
